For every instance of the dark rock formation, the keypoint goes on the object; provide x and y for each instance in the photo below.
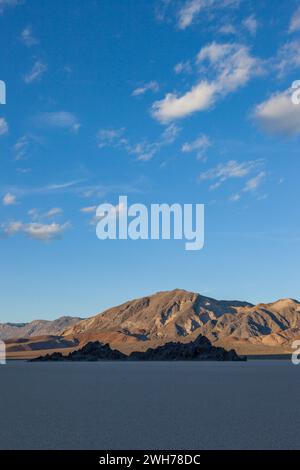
(199, 350)
(90, 352)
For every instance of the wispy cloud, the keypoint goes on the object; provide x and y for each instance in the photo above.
(235, 197)
(35, 214)
(28, 38)
(183, 67)
(229, 170)
(288, 58)
(54, 212)
(111, 138)
(3, 126)
(150, 86)
(144, 150)
(161, 9)
(253, 183)
(58, 120)
(36, 72)
(251, 186)
(34, 230)
(295, 21)
(23, 191)
(8, 3)
(76, 187)
(191, 9)
(199, 145)
(227, 28)
(278, 114)
(9, 199)
(24, 145)
(88, 209)
(23, 171)
(251, 24)
(232, 66)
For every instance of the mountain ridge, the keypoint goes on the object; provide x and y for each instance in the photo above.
(179, 316)
(36, 328)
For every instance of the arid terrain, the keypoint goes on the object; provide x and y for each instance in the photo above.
(151, 321)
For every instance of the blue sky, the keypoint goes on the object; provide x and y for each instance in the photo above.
(163, 101)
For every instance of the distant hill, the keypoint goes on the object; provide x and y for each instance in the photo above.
(179, 316)
(36, 328)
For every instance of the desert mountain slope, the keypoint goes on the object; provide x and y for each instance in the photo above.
(174, 316)
(257, 321)
(36, 328)
(180, 316)
(164, 315)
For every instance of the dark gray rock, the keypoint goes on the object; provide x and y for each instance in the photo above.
(199, 350)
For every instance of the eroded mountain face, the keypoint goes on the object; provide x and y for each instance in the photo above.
(179, 315)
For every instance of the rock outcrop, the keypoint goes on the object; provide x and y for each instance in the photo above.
(199, 350)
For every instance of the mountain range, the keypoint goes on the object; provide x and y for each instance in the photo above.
(152, 321)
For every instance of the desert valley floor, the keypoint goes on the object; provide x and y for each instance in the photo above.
(112, 405)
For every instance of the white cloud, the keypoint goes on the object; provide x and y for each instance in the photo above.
(58, 186)
(279, 114)
(23, 171)
(161, 9)
(35, 214)
(151, 86)
(232, 63)
(28, 38)
(11, 228)
(228, 170)
(253, 183)
(35, 231)
(38, 69)
(192, 8)
(54, 212)
(111, 138)
(232, 66)
(143, 150)
(200, 145)
(235, 197)
(251, 186)
(21, 147)
(88, 209)
(3, 126)
(58, 119)
(183, 67)
(288, 57)
(251, 24)
(8, 3)
(227, 29)
(295, 21)
(169, 134)
(199, 98)
(45, 232)
(9, 199)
